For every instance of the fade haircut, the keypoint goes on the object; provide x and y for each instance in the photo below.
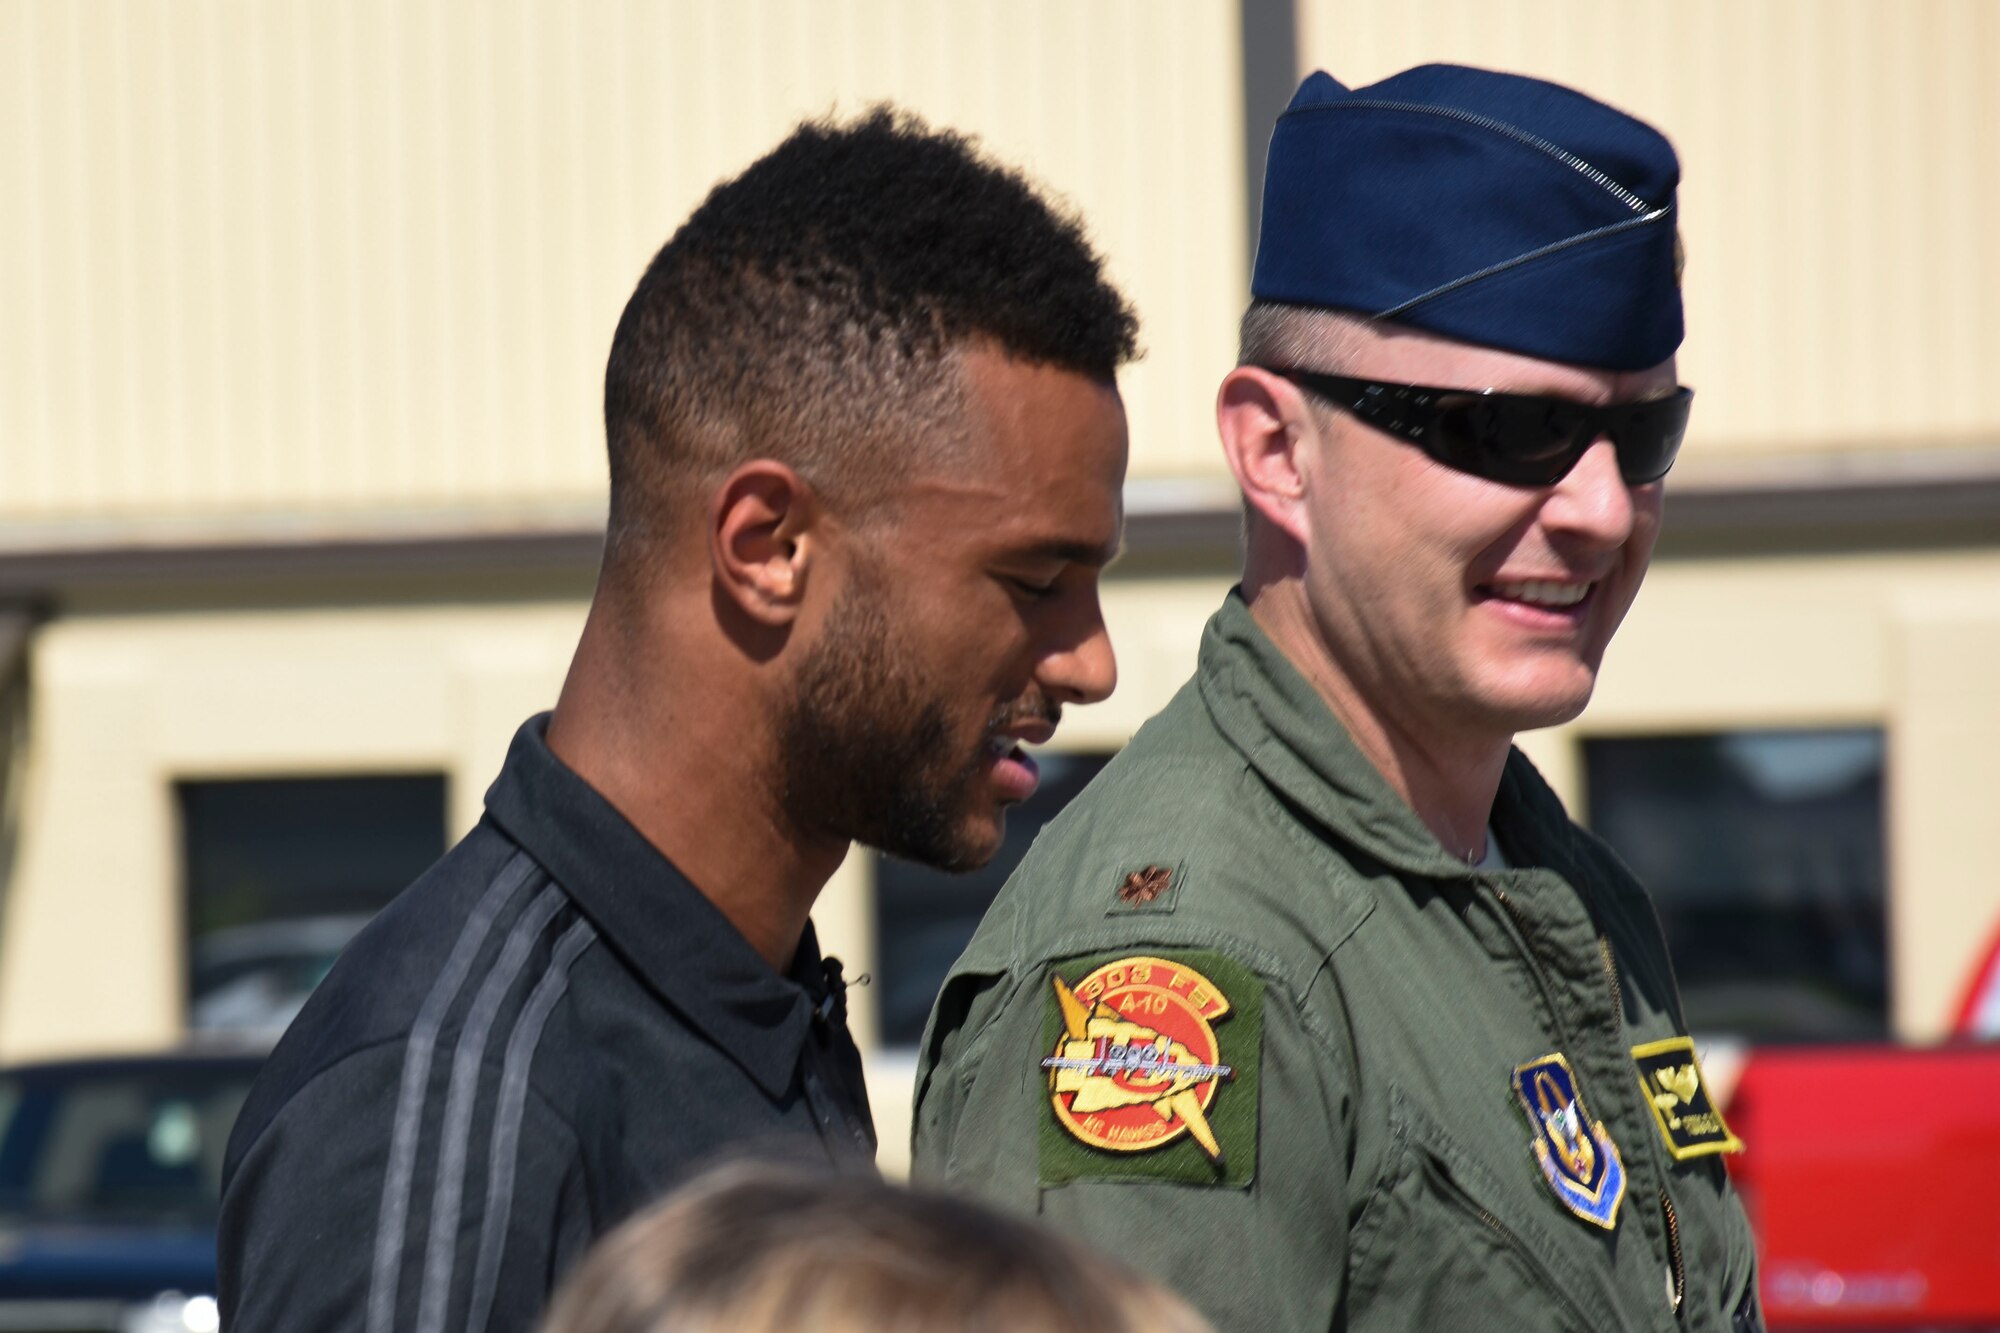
(1297, 337)
(810, 310)
(1294, 337)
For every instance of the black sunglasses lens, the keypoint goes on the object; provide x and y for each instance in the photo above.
(1520, 441)
(1649, 437)
(1527, 441)
(1517, 439)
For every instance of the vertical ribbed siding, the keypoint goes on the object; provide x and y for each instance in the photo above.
(294, 257)
(1842, 170)
(284, 257)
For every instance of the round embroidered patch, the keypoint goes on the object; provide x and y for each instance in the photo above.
(1137, 1065)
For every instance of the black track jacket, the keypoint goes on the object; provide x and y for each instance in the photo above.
(542, 1034)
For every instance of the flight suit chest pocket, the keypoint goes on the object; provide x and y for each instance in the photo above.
(1435, 1247)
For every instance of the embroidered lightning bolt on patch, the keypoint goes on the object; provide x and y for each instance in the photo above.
(1140, 1083)
(1107, 1067)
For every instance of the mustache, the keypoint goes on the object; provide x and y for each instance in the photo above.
(1035, 707)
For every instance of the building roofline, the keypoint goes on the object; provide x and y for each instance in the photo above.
(1885, 502)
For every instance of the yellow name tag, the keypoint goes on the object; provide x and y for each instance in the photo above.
(1670, 1077)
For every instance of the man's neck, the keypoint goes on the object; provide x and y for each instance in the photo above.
(692, 769)
(1449, 779)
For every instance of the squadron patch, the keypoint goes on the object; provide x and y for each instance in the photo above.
(1150, 1064)
(1576, 1153)
(1671, 1078)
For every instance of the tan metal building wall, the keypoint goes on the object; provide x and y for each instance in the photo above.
(1842, 170)
(360, 262)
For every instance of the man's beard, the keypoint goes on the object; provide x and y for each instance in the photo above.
(869, 749)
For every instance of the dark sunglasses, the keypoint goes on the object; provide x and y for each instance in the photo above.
(1518, 438)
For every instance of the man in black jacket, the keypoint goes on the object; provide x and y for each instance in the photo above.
(866, 458)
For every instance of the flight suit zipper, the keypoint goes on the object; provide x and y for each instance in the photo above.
(1611, 972)
(1676, 1266)
(1676, 1273)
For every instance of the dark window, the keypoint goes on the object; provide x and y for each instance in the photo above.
(282, 872)
(118, 1142)
(924, 917)
(1764, 851)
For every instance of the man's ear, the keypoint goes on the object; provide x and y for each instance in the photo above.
(763, 537)
(1264, 423)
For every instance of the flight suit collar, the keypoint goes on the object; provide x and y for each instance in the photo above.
(1273, 716)
(686, 951)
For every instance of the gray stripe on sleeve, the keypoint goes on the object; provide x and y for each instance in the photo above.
(448, 1192)
(402, 1167)
(507, 1114)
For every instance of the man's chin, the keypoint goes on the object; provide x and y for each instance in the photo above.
(969, 844)
(1531, 700)
(977, 842)
(1547, 708)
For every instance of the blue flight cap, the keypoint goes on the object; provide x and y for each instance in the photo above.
(1485, 207)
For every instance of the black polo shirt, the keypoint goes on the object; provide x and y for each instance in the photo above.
(545, 1032)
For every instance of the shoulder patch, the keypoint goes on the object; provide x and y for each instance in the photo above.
(1575, 1152)
(1151, 1067)
(1671, 1078)
(1151, 886)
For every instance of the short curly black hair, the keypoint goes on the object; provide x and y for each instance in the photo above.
(808, 308)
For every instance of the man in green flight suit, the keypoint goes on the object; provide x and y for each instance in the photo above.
(1316, 1003)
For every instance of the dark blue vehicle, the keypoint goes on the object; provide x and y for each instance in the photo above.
(110, 1174)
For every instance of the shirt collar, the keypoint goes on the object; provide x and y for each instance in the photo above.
(654, 917)
(1275, 718)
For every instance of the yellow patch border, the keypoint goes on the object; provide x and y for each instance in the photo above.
(1728, 1143)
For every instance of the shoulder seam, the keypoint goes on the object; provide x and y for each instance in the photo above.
(312, 1080)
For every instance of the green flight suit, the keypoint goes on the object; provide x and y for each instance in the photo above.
(1378, 1168)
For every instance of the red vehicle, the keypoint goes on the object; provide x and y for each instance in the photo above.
(1872, 1175)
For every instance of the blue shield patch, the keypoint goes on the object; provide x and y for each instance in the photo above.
(1576, 1154)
